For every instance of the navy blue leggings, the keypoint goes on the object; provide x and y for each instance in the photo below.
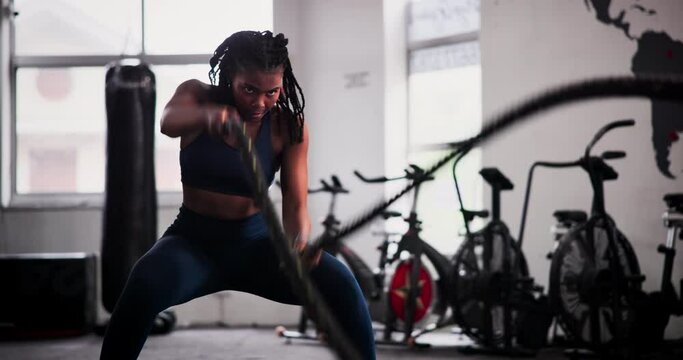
(199, 255)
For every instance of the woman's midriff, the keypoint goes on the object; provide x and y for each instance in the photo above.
(217, 205)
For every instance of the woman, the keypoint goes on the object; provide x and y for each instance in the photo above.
(219, 239)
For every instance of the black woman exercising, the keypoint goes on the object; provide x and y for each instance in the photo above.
(219, 239)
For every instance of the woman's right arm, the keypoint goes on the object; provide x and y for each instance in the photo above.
(184, 113)
(188, 113)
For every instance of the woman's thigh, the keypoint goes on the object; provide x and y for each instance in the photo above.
(263, 276)
(176, 269)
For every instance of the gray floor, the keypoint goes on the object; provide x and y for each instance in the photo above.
(227, 343)
(243, 343)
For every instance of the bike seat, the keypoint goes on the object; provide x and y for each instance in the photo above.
(471, 215)
(674, 201)
(569, 216)
(496, 179)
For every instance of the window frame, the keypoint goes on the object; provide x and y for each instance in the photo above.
(416, 150)
(472, 36)
(415, 45)
(10, 64)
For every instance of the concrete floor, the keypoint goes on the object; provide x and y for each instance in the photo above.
(231, 343)
(248, 343)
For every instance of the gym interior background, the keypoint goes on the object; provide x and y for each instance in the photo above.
(387, 83)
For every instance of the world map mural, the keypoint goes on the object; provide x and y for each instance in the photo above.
(659, 51)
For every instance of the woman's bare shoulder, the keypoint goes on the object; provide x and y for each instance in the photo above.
(195, 88)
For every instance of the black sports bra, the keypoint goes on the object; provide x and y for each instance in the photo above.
(211, 164)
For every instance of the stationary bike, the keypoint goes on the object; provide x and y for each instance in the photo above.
(594, 275)
(370, 281)
(565, 220)
(654, 310)
(413, 294)
(493, 298)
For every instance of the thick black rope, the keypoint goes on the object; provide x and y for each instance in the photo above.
(294, 266)
(652, 87)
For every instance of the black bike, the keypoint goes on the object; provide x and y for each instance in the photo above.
(494, 300)
(413, 294)
(565, 220)
(654, 310)
(594, 276)
(371, 281)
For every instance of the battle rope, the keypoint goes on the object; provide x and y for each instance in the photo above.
(294, 266)
(653, 87)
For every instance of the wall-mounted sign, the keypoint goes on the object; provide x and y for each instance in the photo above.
(356, 79)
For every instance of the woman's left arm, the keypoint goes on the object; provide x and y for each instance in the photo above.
(294, 180)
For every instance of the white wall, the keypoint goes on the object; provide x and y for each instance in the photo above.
(395, 96)
(344, 38)
(528, 46)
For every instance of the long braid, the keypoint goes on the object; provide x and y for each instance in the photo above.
(262, 51)
(291, 86)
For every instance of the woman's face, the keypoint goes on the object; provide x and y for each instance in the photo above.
(256, 92)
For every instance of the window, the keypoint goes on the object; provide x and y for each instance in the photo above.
(444, 106)
(60, 109)
(59, 50)
(60, 163)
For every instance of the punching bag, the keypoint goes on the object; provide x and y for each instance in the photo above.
(130, 207)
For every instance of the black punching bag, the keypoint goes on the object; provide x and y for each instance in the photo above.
(130, 208)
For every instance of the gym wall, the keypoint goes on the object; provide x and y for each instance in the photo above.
(528, 46)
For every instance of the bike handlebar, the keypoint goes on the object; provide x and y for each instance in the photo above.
(381, 179)
(589, 163)
(612, 155)
(413, 172)
(527, 193)
(389, 214)
(335, 188)
(604, 130)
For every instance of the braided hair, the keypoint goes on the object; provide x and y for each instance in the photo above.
(247, 50)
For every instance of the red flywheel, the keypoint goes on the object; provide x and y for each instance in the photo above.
(400, 287)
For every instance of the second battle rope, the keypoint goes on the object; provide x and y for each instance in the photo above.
(652, 87)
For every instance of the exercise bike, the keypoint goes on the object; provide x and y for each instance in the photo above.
(595, 277)
(654, 310)
(413, 294)
(565, 220)
(672, 303)
(370, 281)
(493, 298)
